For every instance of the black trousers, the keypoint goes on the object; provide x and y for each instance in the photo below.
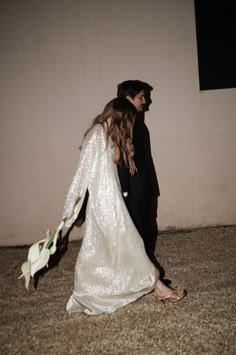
(139, 211)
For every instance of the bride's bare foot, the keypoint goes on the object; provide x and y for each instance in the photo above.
(164, 293)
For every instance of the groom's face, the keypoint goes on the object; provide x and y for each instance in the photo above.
(138, 101)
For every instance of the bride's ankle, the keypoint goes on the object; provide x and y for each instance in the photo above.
(161, 289)
(161, 286)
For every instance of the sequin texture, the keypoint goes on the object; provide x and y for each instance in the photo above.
(112, 268)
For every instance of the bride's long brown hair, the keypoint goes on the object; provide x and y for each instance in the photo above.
(118, 119)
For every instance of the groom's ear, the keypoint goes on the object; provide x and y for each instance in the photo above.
(129, 98)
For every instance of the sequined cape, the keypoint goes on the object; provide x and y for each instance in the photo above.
(112, 268)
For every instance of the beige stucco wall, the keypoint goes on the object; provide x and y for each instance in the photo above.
(60, 63)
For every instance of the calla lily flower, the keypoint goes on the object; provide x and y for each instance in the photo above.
(40, 252)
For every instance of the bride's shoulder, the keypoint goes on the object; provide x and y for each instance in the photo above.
(96, 133)
(99, 129)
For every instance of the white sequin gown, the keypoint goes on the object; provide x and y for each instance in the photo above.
(112, 268)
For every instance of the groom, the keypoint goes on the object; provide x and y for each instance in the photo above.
(141, 190)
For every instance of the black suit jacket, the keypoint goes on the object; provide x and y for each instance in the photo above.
(143, 184)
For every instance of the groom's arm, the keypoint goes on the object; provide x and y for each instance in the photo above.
(124, 176)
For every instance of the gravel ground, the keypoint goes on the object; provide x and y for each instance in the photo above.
(202, 261)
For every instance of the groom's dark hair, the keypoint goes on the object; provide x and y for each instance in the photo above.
(132, 88)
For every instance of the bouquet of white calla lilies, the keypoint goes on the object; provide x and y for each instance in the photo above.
(39, 253)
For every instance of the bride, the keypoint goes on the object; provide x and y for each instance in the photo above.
(112, 268)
